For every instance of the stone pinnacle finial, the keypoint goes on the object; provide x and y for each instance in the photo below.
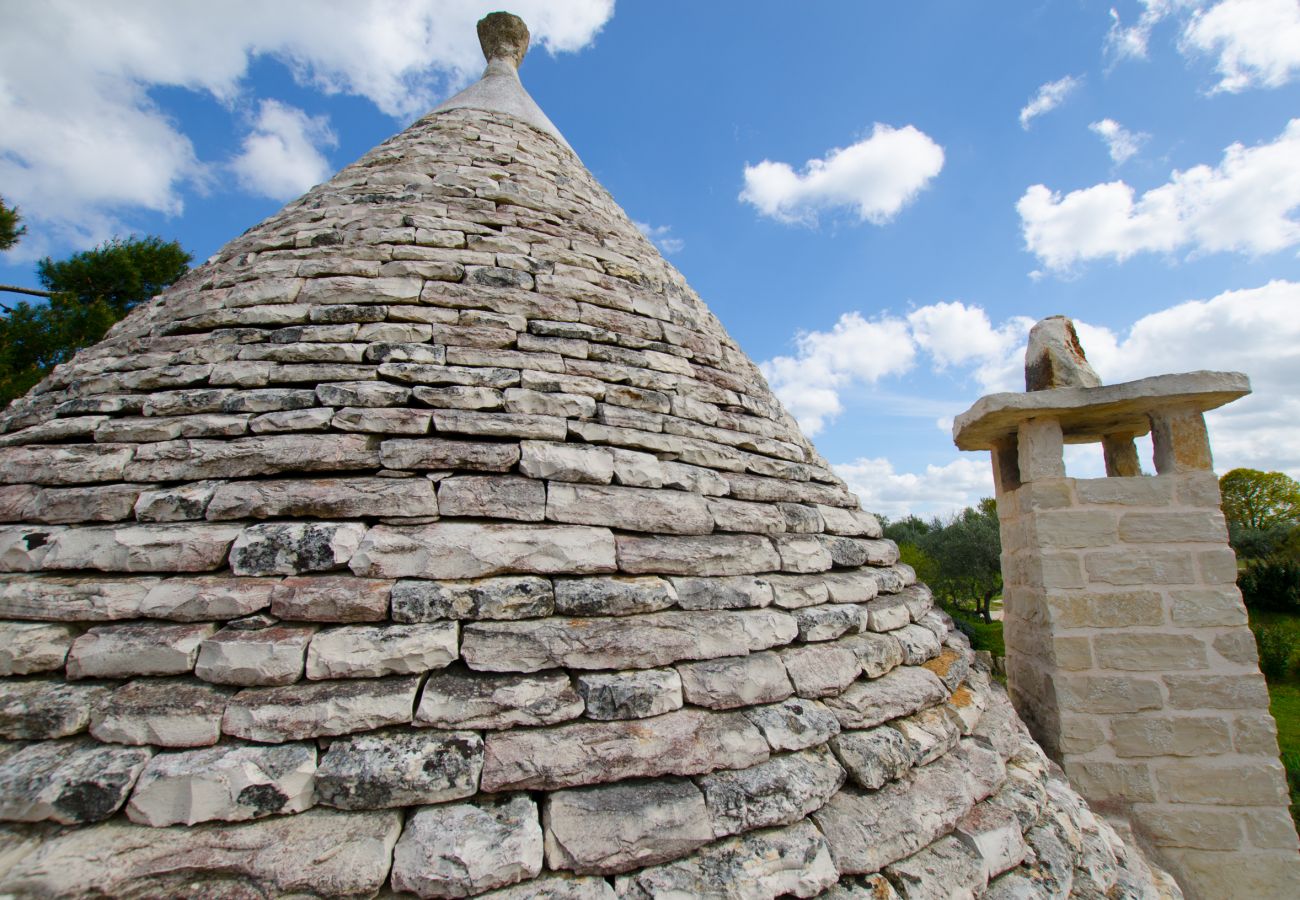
(1055, 358)
(503, 35)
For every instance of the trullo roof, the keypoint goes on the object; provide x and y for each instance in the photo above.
(435, 538)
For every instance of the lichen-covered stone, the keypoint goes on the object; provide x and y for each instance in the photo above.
(399, 768)
(556, 887)
(781, 791)
(161, 712)
(124, 651)
(727, 592)
(72, 782)
(794, 724)
(735, 681)
(229, 783)
(522, 597)
(278, 714)
(874, 756)
(372, 651)
(618, 595)
(684, 742)
(608, 829)
(46, 708)
(459, 849)
(473, 700)
(630, 694)
(899, 693)
(291, 548)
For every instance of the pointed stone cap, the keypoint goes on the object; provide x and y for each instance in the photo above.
(504, 38)
(1055, 358)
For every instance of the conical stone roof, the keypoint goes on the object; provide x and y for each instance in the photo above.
(435, 538)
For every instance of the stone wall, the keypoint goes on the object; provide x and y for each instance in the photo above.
(1130, 658)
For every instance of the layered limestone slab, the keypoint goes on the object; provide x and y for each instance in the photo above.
(735, 681)
(192, 460)
(630, 694)
(629, 508)
(323, 498)
(124, 651)
(899, 693)
(46, 708)
(292, 548)
(141, 548)
(203, 598)
(372, 651)
(331, 598)
(71, 782)
(31, 647)
(614, 596)
(399, 768)
(874, 756)
(727, 592)
(254, 652)
(458, 849)
(472, 700)
(684, 742)
(456, 550)
(493, 496)
(228, 783)
(719, 554)
(315, 852)
(629, 642)
(72, 598)
(820, 670)
(522, 597)
(278, 714)
(609, 829)
(781, 791)
(161, 712)
(794, 724)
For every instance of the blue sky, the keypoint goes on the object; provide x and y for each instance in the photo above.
(876, 199)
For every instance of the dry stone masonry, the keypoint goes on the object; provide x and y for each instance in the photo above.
(1128, 651)
(433, 539)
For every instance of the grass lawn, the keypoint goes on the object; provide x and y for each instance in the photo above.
(1284, 703)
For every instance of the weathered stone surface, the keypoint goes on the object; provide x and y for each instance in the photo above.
(228, 783)
(162, 712)
(719, 554)
(372, 651)
(878, 653)
(493, 496)
(929, 733)
(851, 522)
(948, 867)
(331, 598)
(628, 642)
(566, 462)
(319, 852)
(763, 627)
(727, 592)
(781, 791)
(778, 862)
(631, 694)
(794, 724)
(918, 643)
(382, 421)
(345, 498)
(1055, 358)
(118, 651)
(887, 613)
(361, 393)
(826, 623)
(45, 708)
(613, 828)
(278, 714)
(290, 548)
(176, 503)
(65, 464)
(100, 503)
(254, 652)
(439, 453)
(202, 598)
(633, 509)
(140, 548)
(28, 647)
(191, 460)
(821, 670)
(874, 756)
(852, 587)
(683, 742)
(994, 834)
(802, 553)
(735, 681)
(899, 693)
(522, 597)
(399, 768)
(620, 595)
(464, 700)
(556, 887)
(868, 831)
(451, 550)
(459, 849)
(742, 515)
(72, 782)
(798, 591)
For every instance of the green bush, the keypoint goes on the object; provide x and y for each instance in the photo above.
(1278, 646)
(983, 635)
(1272, 584)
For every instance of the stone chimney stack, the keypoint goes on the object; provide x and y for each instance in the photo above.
(1128, 650)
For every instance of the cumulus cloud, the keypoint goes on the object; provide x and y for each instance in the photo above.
(1254, 43)
(1244, 204)
(937, 491)
(955, 335)
(876, 178)
(1121, 144)
(1047, 98)
(281, 157)
(661, 236)
(83, 144)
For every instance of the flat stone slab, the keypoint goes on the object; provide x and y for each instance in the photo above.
(399, 768)
(372, 651)
(630, 694)
(318, 852)
(124, 651)
(556, 887)
(32, 647)
(253, 652)
(458, 849)
(781, 791)
(277, 714)
(228, 784)
(794, 725)
(684, 742)
(874, 756)
(331, 598)
(1087, 414)
(519, 597)
(609, 829)
(735, 681)
(161, 712)
(45, 708)
(452, 550)
(616, 595)
(71, 782)
(900, 693)
(492, 702)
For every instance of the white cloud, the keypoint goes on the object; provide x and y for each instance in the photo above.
(661, 237)
(281, 158)
(1048, 97)
(955, 334)
(1121, 144)
(1255, 43)
(876, 177)
(938, 491)
(83, 144)
(1245, 204)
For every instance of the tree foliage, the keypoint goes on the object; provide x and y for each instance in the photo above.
(1260, 500)
(91, 291)
(11, 227)
(960, 558)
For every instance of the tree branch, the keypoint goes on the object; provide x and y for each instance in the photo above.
(15, 289)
